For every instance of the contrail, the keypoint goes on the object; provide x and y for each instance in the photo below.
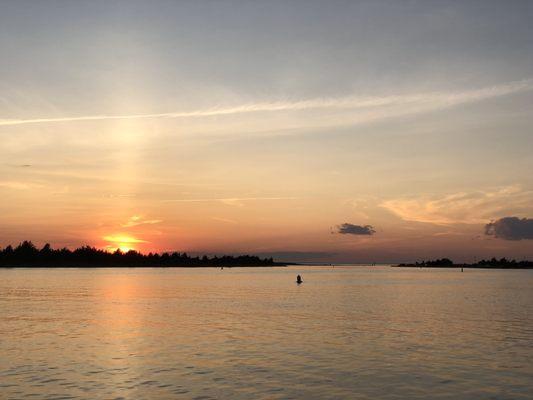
(439, 99)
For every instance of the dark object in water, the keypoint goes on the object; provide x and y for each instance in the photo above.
(299, 279)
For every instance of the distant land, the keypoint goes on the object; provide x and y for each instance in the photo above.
(26, 254)
(502, 263)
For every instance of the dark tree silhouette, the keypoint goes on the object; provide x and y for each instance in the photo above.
(502, 263)
(27, 255)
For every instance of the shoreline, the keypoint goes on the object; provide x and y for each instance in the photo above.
(459, 266)
(138, 266)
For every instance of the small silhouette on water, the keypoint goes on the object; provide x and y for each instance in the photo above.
(299, 279)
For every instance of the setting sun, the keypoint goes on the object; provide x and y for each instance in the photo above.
(123, 243)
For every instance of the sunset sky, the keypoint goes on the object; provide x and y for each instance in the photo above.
(374, 131)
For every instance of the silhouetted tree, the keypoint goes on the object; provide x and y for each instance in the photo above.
(27, 255)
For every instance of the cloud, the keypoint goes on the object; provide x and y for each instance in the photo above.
(123, 239)
(351, 229)
(381, 107)
(230, 201)
(136, 220)
(464, 207)
(225, 220)
(511, 228)
(20, 185)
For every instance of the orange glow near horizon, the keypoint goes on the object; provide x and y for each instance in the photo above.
(122, 242)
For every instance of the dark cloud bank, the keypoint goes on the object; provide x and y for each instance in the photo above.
(351, 229)
(511, 228)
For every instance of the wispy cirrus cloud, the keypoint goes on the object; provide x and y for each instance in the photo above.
(225, 220)
(380, 106)
(123, 239)
(137, 220)
(230, 201)
(16, 185)
(476, 207)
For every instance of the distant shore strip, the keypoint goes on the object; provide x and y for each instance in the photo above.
(494, 263)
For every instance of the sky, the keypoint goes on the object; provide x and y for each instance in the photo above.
(339, 131)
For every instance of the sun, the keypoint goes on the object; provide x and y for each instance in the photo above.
(122, 242)
(124, 248)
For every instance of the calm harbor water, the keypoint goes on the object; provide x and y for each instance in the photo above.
(242, 333)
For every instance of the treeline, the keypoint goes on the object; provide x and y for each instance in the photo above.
(504, 263)
(442, 262)
(492, 263)
(26, 254)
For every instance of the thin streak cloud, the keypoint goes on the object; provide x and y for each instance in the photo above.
(427, 101)
(228, 200)
(463, 207)
(137, 220)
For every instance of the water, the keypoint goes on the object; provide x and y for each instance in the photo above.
(345, 333)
